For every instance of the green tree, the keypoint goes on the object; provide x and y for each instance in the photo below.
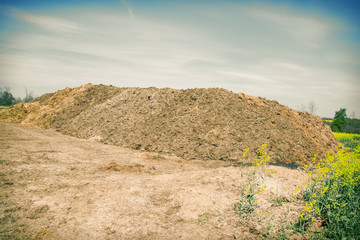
(339, 121)
(6, 98)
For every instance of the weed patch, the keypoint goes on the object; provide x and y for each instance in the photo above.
(248, 202)
(332, 195)
(280, 200)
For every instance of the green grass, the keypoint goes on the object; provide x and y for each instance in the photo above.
(350, 140)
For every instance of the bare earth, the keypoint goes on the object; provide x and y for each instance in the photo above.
(59, 187)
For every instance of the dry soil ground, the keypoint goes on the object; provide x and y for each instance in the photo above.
(59, 187)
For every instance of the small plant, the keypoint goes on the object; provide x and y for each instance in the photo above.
(248, 202)
(203, 219)
(268, 227)
(280, 200)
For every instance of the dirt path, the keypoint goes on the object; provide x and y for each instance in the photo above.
(59, 187)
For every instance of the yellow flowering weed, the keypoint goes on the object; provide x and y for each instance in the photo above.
(333, 194)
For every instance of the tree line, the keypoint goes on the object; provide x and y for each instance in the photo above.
(7, 99)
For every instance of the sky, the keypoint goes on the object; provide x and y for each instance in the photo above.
(294, 52)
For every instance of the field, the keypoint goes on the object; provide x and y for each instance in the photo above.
(350, 140)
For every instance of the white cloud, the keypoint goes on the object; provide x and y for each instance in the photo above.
(47, 22)
(291, 66)
(303, 27)
(246, 75)
(128, 7)
(295, 69)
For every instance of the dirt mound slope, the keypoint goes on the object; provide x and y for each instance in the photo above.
(193, 124)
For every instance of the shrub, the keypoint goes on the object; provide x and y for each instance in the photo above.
(333, 195)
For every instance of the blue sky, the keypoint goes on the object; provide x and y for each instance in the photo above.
(291, 51)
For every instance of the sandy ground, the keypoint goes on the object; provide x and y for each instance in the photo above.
(59, 187)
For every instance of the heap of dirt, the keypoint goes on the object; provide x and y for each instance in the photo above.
(193, 124)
